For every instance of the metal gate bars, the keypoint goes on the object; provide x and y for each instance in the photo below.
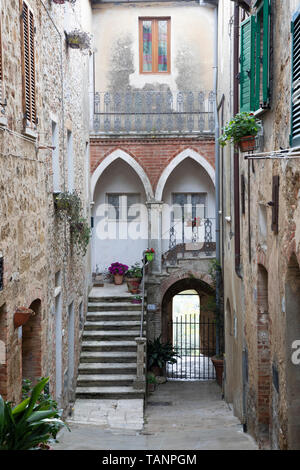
(195, 341)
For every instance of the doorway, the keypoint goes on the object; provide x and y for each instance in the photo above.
(189, 325)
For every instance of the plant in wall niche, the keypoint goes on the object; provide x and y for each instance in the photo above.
(29, 425)
(77, 39)
(69, 207)
(241, 130)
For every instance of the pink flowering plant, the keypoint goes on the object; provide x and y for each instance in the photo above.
(118, 268)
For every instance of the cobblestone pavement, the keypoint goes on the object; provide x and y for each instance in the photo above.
(179, 416)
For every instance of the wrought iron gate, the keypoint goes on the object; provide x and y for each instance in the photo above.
(195, 341)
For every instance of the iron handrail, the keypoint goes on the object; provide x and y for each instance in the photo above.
(145, 263)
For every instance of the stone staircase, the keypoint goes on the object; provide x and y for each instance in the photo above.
(108, 360)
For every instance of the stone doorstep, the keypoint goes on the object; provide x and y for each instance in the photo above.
(107, 365)
(122, 414)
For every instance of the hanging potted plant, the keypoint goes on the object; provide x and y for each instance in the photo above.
(77, 39)
(241, 130)
(118, 270)
(133, 278)
(149, 254)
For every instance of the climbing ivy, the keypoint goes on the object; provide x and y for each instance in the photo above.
(69, 207)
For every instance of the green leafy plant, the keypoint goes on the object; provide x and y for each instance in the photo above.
(69, 208)
(29, 424)
(134, 272)
(159, 353)
(44, 399)
(151, 379)
(242, 125)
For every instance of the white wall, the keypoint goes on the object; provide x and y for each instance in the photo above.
(188, 177)
(119, 177)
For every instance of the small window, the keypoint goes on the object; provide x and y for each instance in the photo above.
(295, 111)
(154, 45)
(28, 54)
(123, 207)
(192, 205)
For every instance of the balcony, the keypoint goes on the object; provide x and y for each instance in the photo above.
(156, 113)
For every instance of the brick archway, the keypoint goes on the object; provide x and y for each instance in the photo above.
(32, 344)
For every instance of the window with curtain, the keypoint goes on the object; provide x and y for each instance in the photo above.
(154, 45)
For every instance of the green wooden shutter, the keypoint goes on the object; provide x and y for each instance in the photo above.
(266, 52)
(295, 105)
(247, 67)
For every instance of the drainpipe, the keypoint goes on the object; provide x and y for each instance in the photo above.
(236, 169)
(217, 182)
(214, 4)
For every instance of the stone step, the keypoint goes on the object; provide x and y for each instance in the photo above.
(112, 325)
(109, 346)
(108, 335)
(113, 306)
(105, 380)
(104, 357)
(113, 299)
(114, 316)
(107, 368)
(114, 393)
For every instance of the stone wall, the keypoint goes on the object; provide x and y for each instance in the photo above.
(34, 242)
(264, 334)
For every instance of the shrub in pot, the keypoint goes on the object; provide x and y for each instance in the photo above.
(159, 354)
(117, 270)
(133, 278)
(241, 130)
(30, 424)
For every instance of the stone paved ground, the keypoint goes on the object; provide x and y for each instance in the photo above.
(179, 416)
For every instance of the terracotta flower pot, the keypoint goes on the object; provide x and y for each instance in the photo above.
(247, 143)
(158, 371)
(219, 366)
(118, 279)
(21, 316)
(133, 284)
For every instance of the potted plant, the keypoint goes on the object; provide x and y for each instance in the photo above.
(118, 270)
(218, 362)
(151, 382)
(77, 39)
(30, 424)
(133, 278)
(241, 130)
(159, 354)
(137, 299)
(149, 254)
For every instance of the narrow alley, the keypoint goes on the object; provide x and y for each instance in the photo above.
(150, 224)
(180, 415)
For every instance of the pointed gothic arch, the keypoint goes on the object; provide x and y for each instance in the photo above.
(131, 162)
(187, 153)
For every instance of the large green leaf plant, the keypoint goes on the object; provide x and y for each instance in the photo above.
(30, 424)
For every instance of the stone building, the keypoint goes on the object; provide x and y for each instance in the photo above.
(152, 141)
(44, 138)
(258, 72)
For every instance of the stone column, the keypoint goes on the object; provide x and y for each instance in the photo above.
(155, 233)
(140, 382)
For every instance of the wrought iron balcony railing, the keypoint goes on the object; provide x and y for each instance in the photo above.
(154, 113)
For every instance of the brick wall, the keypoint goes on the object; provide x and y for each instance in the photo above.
(153, 154)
